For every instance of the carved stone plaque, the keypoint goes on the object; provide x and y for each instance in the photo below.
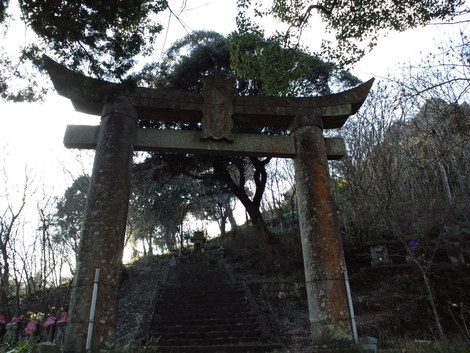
(217, 109)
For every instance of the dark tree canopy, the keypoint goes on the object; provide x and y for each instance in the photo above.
(201, 53)
(3, 7)
(104, 38)
(100, 38)
(261, 66)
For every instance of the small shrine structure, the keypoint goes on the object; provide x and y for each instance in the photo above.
(199, 241)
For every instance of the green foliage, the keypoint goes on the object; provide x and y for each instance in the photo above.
(249, 57)
(19, 81)
(284, 71)
(70, 210)
(3, 8)
(149, 346)
(399, 345)
(355, 25)
(24, 346)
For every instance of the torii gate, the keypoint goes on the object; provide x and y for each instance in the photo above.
(218, 108)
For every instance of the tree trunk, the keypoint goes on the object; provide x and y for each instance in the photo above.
(149, 242)
(256, 217)
(231, 218)
(4, 285)
(437, 321)
(222, 224)
(430, 294)
(445, 182)
(238, 189)
(144, 247)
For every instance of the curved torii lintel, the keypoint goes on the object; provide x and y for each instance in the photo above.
(88, 96)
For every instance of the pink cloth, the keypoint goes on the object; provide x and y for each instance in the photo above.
(51, 320)
(3, 319)
(31, 327)
(15, 319)
(63, 318)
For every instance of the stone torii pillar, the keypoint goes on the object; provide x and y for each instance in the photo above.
(103, 230)
(320, 234)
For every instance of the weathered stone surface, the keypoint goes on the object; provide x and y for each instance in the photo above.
(88, 96)
(320, 236)
(46, 347)
(217, 109)
(369, 344)
(85, 137)
(103, 229)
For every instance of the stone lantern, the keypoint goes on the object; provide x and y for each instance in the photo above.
(379, 253)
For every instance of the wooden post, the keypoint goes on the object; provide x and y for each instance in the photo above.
(320, 235)
(102, 237)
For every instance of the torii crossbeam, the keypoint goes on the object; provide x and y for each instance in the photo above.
(217, 110)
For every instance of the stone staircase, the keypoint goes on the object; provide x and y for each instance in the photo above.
(201, 309)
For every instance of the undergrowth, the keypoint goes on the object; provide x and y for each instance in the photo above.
(401, 345)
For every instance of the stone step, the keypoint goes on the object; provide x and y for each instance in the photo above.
(179, 316)
(209, 341)
(192, 292)
(199, 273)
(201, 310)
(182, 288)
(246, 320)
(201, 285)
(198, 266)
(206, 303)
(216, 314)
(178, 293)
(204, 275)
(200, 315)
(216, 310)
(197, 284)
(206, 328)
(242, 334)
(204, 300)
(236, 348)
(202, 307)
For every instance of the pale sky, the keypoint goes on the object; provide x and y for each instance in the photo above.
(33, 132)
